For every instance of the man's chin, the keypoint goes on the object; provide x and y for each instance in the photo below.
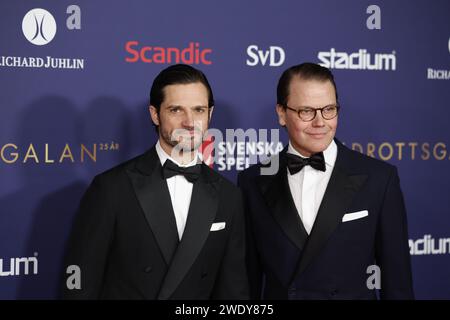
(313, 145)
(188, 146)
(320, 145)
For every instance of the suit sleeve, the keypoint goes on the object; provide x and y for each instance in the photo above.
(232, 280)
(89, 241)
(392, 250)
(252, 260)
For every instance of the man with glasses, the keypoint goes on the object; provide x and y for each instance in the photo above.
(330, 223)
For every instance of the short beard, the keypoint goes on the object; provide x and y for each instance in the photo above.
(181, 147)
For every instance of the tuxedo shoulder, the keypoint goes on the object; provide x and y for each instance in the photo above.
(118, 170)
(256, 169)
(214, 175)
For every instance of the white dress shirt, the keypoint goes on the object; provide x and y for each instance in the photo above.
(308, 185)
(180, 189)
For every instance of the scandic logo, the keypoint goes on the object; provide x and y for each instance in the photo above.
(193, 54)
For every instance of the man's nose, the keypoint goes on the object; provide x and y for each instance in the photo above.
(318, 120)
(188, 119)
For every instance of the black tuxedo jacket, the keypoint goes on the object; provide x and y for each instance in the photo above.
(126, 244)
(333, 261)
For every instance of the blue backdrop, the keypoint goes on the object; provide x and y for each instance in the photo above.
(74, 91)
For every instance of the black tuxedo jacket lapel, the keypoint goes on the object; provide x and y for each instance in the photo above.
(202, 212)
(276, 192)
(341, 189)
(154, 197)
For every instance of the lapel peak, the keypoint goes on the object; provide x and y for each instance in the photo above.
(154, 198)
(201, 215)
(339, 194)
(275, 190)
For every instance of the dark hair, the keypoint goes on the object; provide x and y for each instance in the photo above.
(177, 74)
(305, 71)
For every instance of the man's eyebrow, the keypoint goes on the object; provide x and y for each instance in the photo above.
(327, 105)
(174, 106)
(180, 106)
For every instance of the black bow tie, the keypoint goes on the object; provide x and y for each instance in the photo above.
(191, 173)
(296, 163)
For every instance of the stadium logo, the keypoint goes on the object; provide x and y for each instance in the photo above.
(18, 265)
(360, 60)
(39, 26)
(429, 246)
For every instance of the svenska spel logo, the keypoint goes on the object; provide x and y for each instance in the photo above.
(39, 26)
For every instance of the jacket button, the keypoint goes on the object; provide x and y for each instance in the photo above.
(148, 269)
(333, 292)
(203, 275)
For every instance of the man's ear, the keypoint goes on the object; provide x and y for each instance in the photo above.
(281, 111)
(154, 114)
(210, 110)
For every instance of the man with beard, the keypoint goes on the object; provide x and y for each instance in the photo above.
(163, 225)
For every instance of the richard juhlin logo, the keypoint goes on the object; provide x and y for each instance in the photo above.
(439, 74)
(39, 26)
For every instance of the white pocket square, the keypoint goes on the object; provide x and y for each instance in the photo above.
(355, 215)
(217, 226)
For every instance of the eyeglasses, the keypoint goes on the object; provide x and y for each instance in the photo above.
(308, 113)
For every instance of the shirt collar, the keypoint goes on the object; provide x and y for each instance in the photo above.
(163, 156)
(329, 154)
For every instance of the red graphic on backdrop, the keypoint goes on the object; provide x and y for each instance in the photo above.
(193, 54)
